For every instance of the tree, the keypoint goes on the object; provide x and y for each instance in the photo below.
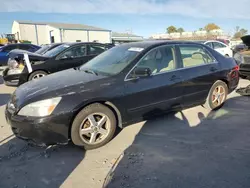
(240, 32)
(201, 29)
(171, 29)
(211, 26)
(180, 30)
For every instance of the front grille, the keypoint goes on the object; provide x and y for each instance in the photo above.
(246, 59)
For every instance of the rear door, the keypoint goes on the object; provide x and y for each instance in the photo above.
(200, 71)
(159, 92)
(72, 57)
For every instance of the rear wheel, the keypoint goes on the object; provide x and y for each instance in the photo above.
(93, 127)
(36, 75)
(217, 96)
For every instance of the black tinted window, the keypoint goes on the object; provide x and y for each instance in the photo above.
(95, 49)
(194, 56)
(9, 48)
(75, 52)
(25, 47)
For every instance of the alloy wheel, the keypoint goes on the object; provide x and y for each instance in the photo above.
(37, 76)
(95, 128)
(219, 95)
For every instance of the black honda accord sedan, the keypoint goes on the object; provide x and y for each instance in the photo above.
(123, 85)
(34, 66)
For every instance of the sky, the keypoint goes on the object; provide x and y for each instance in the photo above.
(142, 17)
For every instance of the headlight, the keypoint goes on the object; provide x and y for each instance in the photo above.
(15, 71)
(41, 108)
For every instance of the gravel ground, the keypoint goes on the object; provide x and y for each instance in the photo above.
(195, 148)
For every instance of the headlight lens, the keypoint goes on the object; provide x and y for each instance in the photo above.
(41, 108)
(15, 71)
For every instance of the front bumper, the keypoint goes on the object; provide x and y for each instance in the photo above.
(46, 130)
(14, 79)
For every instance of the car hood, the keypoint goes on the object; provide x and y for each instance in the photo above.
(246, 40)
(19, 54)
(63, 83)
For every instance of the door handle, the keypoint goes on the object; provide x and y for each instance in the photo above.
(213, 69)
(174, 77)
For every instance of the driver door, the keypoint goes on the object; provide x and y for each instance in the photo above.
(158, 92)
(72, 57)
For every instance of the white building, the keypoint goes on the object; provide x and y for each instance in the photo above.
(46, 33)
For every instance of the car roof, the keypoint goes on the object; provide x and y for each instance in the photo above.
(75, 43)
(146, 44)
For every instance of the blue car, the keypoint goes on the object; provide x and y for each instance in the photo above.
(4, 50)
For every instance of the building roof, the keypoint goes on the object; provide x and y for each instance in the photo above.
(64, 25)
(115, 34)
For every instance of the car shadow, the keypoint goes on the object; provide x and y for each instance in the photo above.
(25, 165)
(4, 98)
(169, 152)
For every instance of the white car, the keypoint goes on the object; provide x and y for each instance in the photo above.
(219, 47)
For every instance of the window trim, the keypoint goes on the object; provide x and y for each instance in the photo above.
(205, 50)
(155, 74)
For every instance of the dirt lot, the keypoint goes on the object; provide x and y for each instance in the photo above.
(195, 148)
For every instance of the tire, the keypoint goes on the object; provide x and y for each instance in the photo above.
(37, 73)
(243, 77)
(210, 105)
(82, 120)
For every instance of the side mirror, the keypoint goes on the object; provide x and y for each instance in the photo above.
(142, 72)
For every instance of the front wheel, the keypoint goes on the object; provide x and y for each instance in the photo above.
(93, 127)
(36, 75)
(217, 96)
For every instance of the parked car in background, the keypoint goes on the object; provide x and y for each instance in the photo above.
(121, 86)
(44, 48)
(219, 47)
(239, 48)
(243, 58)
(225, 41)
(65, 56)
(4, 51)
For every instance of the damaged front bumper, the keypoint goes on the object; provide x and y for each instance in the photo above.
(47, 130)
(14, 77)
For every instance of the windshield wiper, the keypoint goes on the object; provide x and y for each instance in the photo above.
(91, 72)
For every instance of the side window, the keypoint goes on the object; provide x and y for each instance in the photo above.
(194, 56)
(161, 59)
(75, 52)
(218, 45)
(95, 49)
(25, 47)
(210, 44)
(9, 48)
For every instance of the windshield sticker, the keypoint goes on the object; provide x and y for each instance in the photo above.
(135, 49)
(66, 46)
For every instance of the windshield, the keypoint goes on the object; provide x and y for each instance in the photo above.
(112, 61)
(56, 50)
(43, 49)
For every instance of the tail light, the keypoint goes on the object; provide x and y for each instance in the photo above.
(236, 68)
(235, 72)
